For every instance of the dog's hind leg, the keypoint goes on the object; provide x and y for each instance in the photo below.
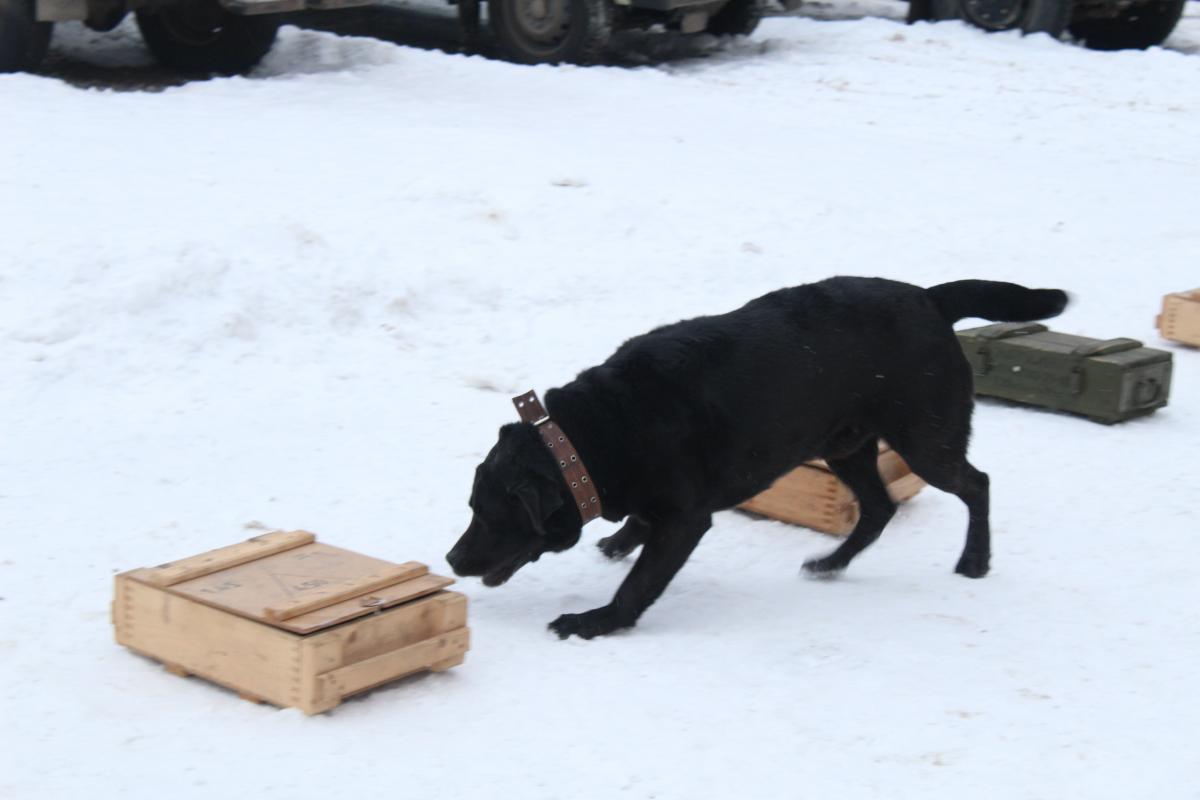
(624, 541)
(859, 471)
(977, 553)
(943, 465)
(972, 487)
(667, 547)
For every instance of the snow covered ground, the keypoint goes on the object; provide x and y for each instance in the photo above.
(303, 298)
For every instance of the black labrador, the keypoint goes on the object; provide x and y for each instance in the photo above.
(698, 416)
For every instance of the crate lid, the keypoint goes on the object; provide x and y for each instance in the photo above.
(1036, 337)
(290, 580)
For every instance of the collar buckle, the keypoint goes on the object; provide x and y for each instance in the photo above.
(530, 408)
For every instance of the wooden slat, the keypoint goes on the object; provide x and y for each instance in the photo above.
(387, 597)
(810, 483)
(826, 519)
(234, 555)
(781, 492)
(353, 588)
(808, 496)
(331, 687)
(366, 638)
(829, 514)
(391, 630)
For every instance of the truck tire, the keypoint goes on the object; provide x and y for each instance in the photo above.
(23, 40)
(736, 18)
(1135, 28)
(551, 31)
(1028, 16)
(201, 36)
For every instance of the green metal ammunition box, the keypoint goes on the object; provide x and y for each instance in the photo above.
(1105, 380)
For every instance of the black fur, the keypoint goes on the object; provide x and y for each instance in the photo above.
(700, 415)
(996, 301)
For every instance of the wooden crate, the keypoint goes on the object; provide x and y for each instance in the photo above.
(812, 496)
(285, 619)
(1180, 317)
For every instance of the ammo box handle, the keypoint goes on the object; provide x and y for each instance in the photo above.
(1147, 391)
(1090, 349)
(1007, 329)
(1003, 330)
(1105, 348)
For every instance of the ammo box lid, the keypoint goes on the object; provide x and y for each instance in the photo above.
(291, 581)
(1035, 336)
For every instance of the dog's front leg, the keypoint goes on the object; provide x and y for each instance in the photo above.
(666, 549)
(626, 540)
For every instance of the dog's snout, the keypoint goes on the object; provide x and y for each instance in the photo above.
(454, 558)
(459, 557)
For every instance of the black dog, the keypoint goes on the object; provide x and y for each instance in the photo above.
(698, 416)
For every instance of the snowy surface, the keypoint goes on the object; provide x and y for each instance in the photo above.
(304, 298)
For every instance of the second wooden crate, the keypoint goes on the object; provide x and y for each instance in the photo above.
(812, 496)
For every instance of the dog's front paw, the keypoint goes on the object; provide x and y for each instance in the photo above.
(587, 625)
(973, 565)
(826, 567)
(615, 547)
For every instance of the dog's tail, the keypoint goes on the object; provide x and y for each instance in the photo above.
(996, 301)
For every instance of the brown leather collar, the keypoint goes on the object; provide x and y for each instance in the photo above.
(587, 496)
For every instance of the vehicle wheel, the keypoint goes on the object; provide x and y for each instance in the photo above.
(551, 31)
(201, 36)
(736, 18)
(1029, 16)
(23, 40)
(1135, 28)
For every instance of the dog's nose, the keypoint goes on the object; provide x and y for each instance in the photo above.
(454, 558)
(459, 559)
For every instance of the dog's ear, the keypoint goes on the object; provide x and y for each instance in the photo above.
(540, 501)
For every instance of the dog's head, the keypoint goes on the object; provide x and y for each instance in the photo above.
(521, 509)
